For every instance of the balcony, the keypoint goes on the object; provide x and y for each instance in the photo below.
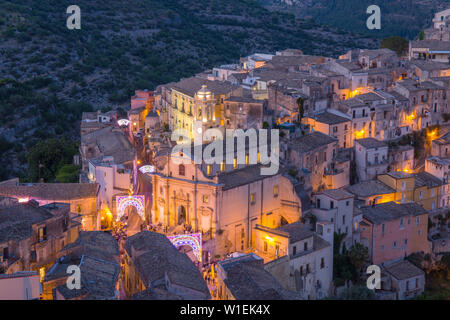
(329, 171)
(377, 163)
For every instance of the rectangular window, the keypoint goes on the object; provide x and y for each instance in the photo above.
(5, 253)
(305, 246)
(42, 234)
(235, 163)
(222, 166)
(322, 263)
(205, 199)
(209, 170)
(275, 191)
(382, 228)
(246, 159)
(252, 198)
(294, 250)
(265, 246)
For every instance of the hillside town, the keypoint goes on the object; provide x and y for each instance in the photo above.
(363, 180)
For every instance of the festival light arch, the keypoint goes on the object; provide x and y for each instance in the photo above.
(147, 169)
(123, 122)
(193, 240)
(124, 202)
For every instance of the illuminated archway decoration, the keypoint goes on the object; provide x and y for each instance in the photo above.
(193, 240)
(123, 122)
(147, 169)
(124, 202)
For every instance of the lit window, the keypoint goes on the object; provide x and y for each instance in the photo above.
(246, 159)
(275, 191)
(205, 199)
(235, 164)
(222, 166)
(209, 170)
(253, 198)
(181, 170)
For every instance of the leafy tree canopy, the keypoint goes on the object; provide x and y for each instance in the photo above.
(398, 44)
(46, 157)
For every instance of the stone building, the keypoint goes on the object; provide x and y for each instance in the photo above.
(313, 155)
(82, 197)
(371, 157)
(244, 278)
(299, 258)
(392, 231)
(151, 261)
(31, 236)
(97, 255)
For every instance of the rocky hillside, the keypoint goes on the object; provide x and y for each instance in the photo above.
(398, 17)
(49, 74)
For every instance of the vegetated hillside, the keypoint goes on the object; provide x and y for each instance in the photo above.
(49, 74)
(398, 17)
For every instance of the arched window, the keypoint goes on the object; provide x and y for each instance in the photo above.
(181, 170)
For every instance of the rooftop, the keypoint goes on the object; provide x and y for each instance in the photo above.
(244, 176)
(154, 256)
(430, 65)
(371, 143)
(337, 194)
(413, 85)
(247, 280)
(404, 270)
(426, 179)
(98, 244)
(330, 118)
(109, 142)
(369, 188)
(50, 191)
(432, 45)
(191, 86)
(390, 211)
(310, 142)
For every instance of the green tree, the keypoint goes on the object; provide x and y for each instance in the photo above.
(398, 44)
(301, 110)
(421, 35)
(358, 256)
(67, 174)
(46, 157)
(357, 293)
